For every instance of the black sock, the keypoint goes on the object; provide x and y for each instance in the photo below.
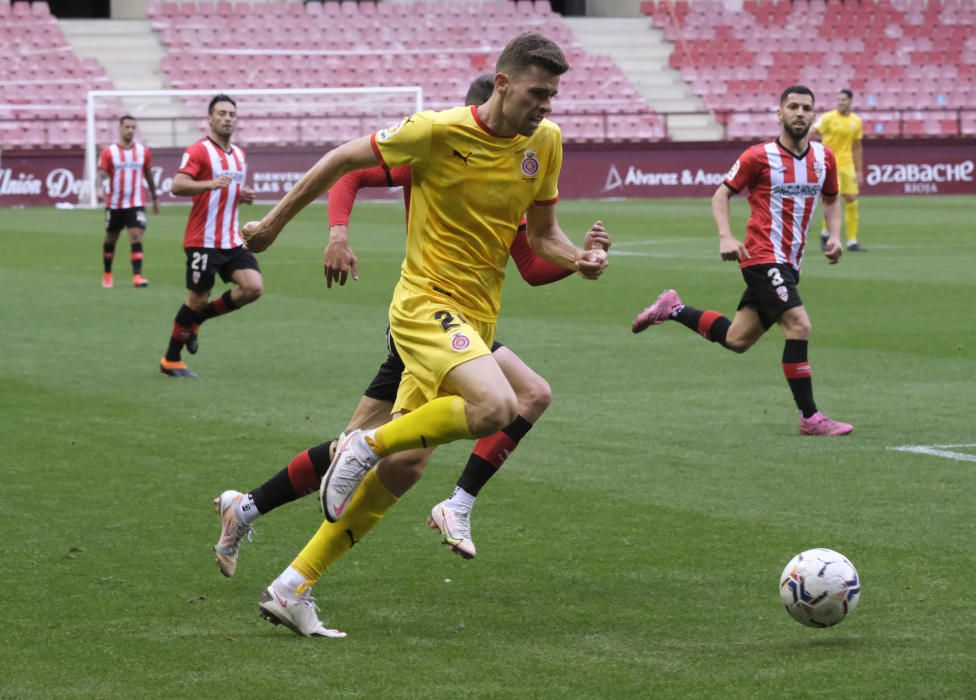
(490, 453)
(709, 324)
(298, 479)
(108, 252)
(796, 368)
(321, 456)
(224, 305)
(136, 258)
(182, 327)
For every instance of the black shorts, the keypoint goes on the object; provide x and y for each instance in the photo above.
(203, 264)
(118, 219)
(771, 291)
(387, 380)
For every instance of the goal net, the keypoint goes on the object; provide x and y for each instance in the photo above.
(266, 117)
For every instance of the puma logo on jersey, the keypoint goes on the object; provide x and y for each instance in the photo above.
(457, 153)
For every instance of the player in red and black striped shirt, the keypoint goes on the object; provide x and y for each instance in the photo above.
(126, 168)
(213, 172)
(785, 178)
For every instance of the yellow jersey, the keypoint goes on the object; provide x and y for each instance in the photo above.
(470, 188)
(839, 133)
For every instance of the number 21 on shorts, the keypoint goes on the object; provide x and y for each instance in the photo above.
(199, 261)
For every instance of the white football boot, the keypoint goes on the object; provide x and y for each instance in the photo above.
(353, 460)
(296, 612)
(455, 525)
(232, 531)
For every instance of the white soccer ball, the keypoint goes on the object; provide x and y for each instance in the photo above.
(819, 587)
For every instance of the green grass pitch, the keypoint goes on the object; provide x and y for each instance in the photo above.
(631, 546)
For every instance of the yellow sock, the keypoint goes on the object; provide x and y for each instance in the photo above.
(367, 508)
(435, 423)
(850, 221)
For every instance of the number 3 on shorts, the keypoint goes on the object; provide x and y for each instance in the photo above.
(775, 278)
(199, 261)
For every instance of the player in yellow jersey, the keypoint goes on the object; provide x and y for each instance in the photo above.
(475, 171)
(841, 131)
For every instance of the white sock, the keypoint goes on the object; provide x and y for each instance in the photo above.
(462, 499)
(245, 509)
(290, 579)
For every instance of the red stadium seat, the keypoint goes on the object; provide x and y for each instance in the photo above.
(404, 32)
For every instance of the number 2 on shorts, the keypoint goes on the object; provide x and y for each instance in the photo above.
(447, 320)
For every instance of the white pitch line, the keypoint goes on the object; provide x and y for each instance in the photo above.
(938, 451)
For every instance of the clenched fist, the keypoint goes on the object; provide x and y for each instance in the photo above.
(257, 237)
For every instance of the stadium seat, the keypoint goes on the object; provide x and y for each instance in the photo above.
(405, 32)
(890, 54)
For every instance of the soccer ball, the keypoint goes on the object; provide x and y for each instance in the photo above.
(819, 587)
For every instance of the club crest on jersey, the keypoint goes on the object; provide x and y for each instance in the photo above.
(459, 341)
(530, 164)
(782, 293)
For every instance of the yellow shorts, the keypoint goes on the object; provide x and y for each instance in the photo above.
(847, 181)
(433, 338)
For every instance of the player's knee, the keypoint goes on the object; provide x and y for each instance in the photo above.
(252, 291)
(491, 415)
(535, 399)
(799, 329)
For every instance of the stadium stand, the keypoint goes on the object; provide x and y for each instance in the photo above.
(911, 64)
(42, 82)
(440, 46)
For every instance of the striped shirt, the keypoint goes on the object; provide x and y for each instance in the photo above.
(125, 168)
(213, 219)
(783, 193)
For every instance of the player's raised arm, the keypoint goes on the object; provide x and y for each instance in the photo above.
(550, 243)
(352, 155)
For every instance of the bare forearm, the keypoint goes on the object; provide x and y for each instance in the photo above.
(350, 156)
(720, 213)
(858, 153)
(310, 187)
(832, 217)
(150, 184)
(554, 246)
(185, 187)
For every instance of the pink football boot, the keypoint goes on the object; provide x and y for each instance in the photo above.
(819, 424)
(658, 312)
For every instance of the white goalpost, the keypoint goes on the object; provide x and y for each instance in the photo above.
(292, 116)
